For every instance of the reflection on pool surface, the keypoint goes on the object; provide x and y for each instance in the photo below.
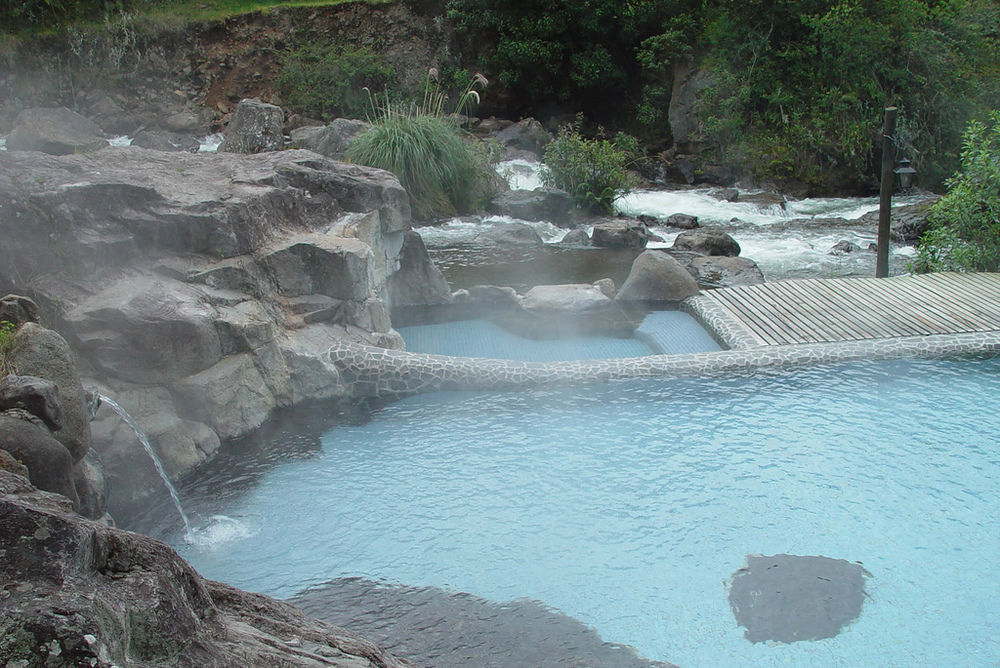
(629, 505)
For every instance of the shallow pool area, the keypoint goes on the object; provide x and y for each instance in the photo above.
(659, 333)
(629, 506)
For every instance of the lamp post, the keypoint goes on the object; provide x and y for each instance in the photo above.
(885, 193)
(905, 174)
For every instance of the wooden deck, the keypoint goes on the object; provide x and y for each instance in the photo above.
(852, 309)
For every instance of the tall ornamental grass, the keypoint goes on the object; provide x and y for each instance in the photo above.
(443, 173)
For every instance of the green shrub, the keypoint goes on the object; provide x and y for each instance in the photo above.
(443, 172)
(965, 223)
(6, 342)
(329, 81)
(594, 171)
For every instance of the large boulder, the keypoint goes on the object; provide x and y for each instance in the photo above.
(49, 464)
(57, 131)
(79, 593)
(907, 223)
(37, 351)
(571, 298)
(619, 235)
(331, 140)
(509, 234)
(548, 204)
(657, 277)
(715, 271)
(707, 242)
(38, 396)
(525, 135)
(17, 310)
(417, 282)
(255, 127)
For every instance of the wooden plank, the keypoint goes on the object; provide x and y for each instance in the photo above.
(836, 309)
(976, 298)
(784, 316)
(738, 317)
(878, 311)
(813, 306)
(900, 307)
(760, 322)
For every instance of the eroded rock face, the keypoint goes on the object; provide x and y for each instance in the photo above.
(255, 127)
(55, 130)
(187, 278)
(83, 594)
(417, 282)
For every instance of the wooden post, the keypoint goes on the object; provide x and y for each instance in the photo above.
(885, 193)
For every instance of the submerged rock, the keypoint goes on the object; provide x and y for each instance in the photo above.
(80, 593)
(789, 598)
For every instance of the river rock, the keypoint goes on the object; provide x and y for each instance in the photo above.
(525, 135)
(764, 200)
(682, 221)
(41, 352)
(510, 234)
(619, 235)
(572, 298)
(331, 140)
(657, 277)
(38, 396)
(907, 223)
(49, 463)
(57, 131)
(843, 247)
(255, 127)
(577, 237)
(18, 310)
(417, 282)
(707, 242)
(162, 140)
(91, 595)
(548, 204)
(185, 122)
(717, 271)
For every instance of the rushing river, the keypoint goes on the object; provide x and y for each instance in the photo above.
(789, 241)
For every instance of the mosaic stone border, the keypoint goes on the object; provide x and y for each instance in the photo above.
(720, 323)
(380, 372)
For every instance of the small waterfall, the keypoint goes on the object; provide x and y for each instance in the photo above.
(123, 414)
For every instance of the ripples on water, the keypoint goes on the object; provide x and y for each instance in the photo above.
(628, 505)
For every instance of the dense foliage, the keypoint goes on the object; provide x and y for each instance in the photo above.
(593, 171)
(327, 81)
(798, 86)
(443, 172)
(965, 223)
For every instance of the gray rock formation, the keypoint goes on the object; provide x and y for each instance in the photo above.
(38, 396)
(510, 234)
(417, 282)
(49, 464)
(707, 242)
(331, 140)
(163, 140)
(619, 235)
(843, 247)
(682, 221)
(576, 237)
(200, 290)
(525, 135)
(571, 298)
(685, 127)
(255, 127)
(717, 271)
(57, 131)
(907, 223)
(41, 352)
(657, 277)
(83, 594)
(548, 204)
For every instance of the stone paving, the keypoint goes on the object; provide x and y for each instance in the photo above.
(381, 372)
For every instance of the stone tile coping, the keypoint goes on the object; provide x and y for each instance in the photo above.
(381, 372)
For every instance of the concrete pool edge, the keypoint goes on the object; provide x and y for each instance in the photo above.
(381, 372)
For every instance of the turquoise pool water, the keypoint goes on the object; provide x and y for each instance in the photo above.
(661, 332)
(629, 505)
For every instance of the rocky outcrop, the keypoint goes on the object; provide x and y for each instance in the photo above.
(707, 242)
(57, 131)
(548, 204)
(79, 593)
(657, 277)
(417, 282)
(255, 127)
(907, 223)
(331, 140)
(200, 289)
(526, 135)
(685, 127)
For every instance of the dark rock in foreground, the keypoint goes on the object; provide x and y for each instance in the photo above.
(432, 627)
(788, 598)
(81, 594)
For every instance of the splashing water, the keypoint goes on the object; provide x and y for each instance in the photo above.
(123, 414)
